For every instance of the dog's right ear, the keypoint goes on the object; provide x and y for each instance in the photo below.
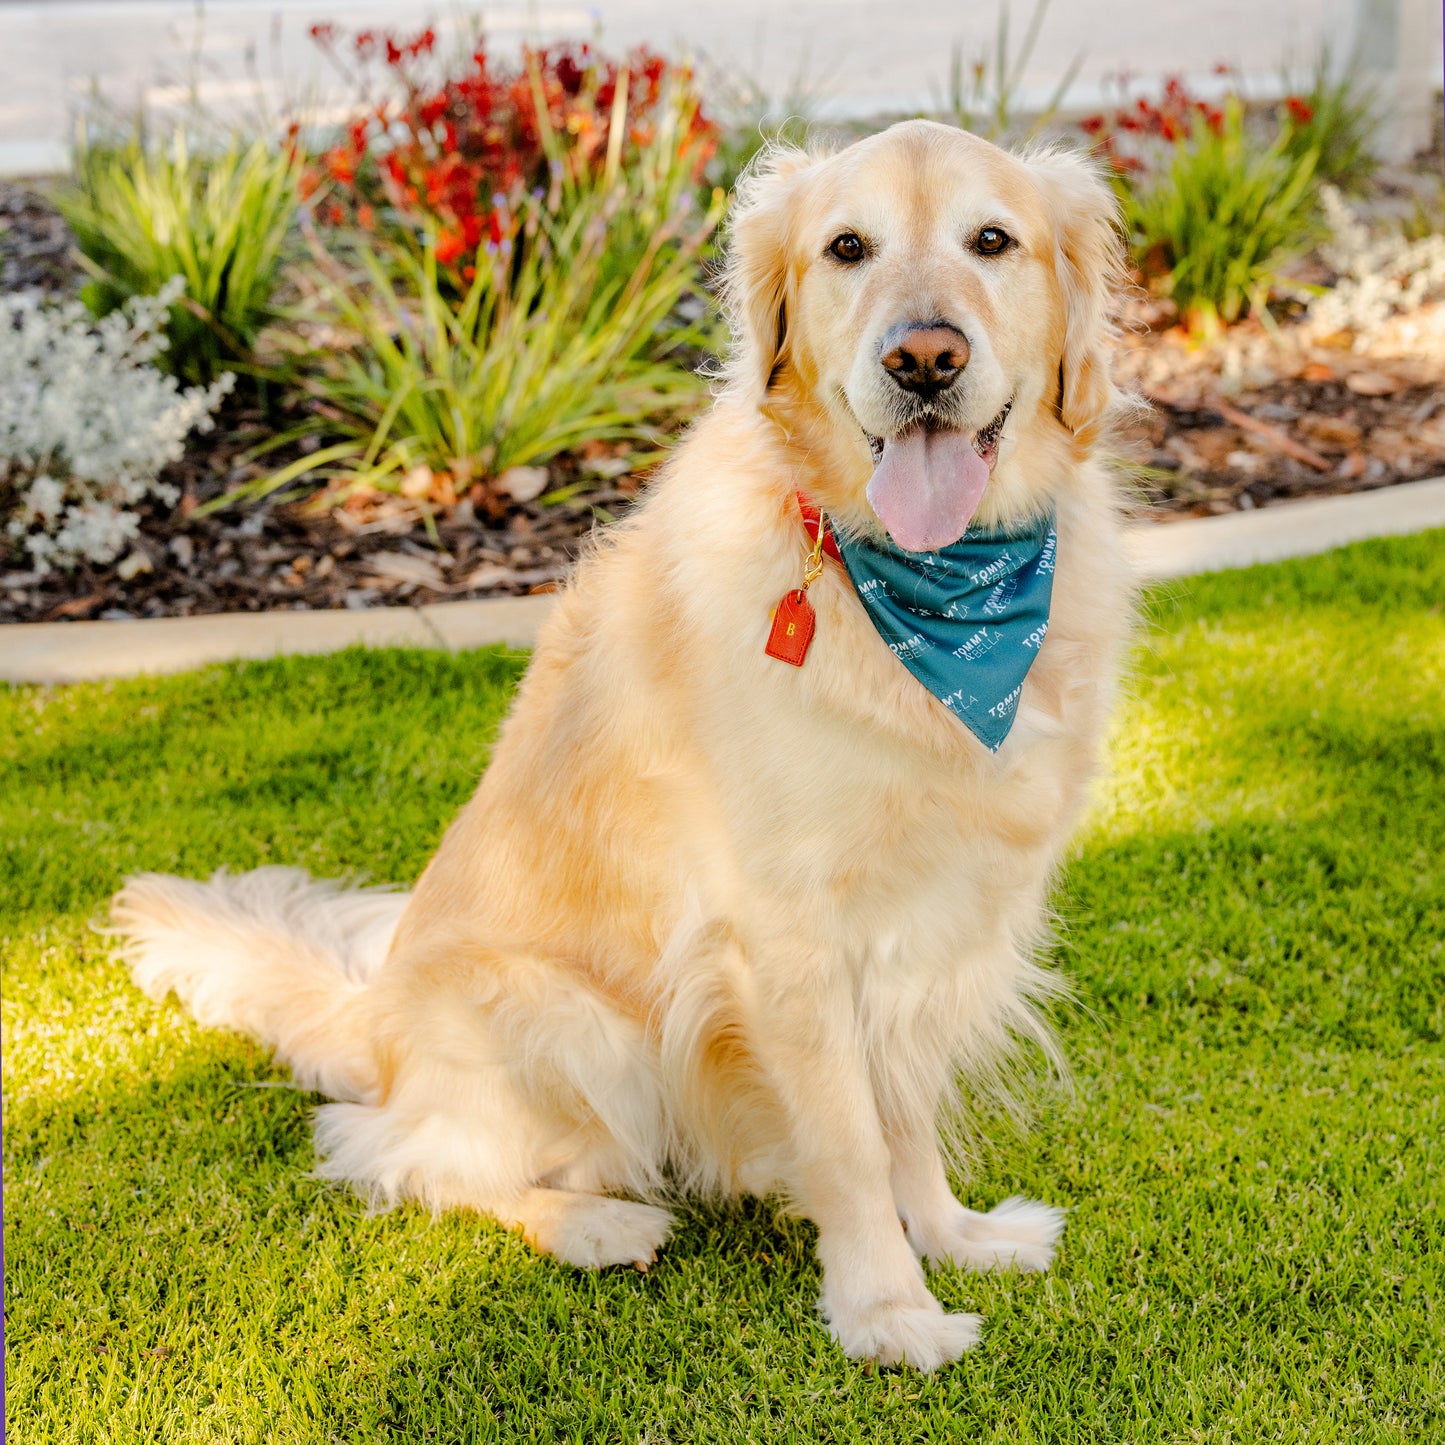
(757, 277)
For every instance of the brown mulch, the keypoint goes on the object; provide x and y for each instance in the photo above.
(374, 550)
(1257, 420)
(1271, 416)
(1334, 431)
(35, 249)
(272, 562)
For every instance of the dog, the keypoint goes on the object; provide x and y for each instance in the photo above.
(740, 899)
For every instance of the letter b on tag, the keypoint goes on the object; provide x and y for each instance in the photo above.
(792, 628)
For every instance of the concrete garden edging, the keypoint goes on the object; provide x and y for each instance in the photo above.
(61, 652)
(1163, 550)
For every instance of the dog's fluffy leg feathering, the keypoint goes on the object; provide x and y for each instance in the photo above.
(292, 962)
(274, 954)
(484, 1163)
(1018, 1234)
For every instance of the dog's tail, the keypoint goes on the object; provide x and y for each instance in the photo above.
(274, 954)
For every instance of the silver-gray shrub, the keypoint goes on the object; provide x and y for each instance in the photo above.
(87, 423)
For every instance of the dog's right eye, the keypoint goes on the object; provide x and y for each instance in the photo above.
(848, 247)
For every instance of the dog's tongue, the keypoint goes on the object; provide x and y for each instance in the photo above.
(927, 488)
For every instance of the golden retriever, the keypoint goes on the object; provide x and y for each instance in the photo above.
(713, 922)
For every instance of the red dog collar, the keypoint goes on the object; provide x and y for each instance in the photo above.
(810, 525)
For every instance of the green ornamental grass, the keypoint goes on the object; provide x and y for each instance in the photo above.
(984, 96)
(1335, 115)
(1223, 217)
(1251, 1151)
(572, 330)
(221, 220)
(542, 353)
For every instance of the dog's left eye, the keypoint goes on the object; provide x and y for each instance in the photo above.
(990, 241)
(847, 247)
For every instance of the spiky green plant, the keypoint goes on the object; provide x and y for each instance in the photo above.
(219, 219)
(1221, 219)
(544, 351)
(1335, 115)
(983, 95)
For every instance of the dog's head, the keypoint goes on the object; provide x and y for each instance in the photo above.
(926, 316)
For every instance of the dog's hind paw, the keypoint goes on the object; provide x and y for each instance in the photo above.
(593, 1231)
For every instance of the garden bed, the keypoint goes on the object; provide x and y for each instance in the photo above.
(1268, 410)
(378, 549)
(1327, 422)
(1254, 421)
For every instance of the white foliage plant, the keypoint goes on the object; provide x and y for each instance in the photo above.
(87, 423)
(1380, 274)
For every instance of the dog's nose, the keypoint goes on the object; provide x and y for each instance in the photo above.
(925, 358)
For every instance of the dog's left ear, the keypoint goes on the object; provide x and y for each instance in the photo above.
(755, 279)
(1090, 266)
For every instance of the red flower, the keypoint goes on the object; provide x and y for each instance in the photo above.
(340, 165)
(1300, 111)
(449, 247)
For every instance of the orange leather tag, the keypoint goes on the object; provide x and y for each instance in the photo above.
(792, 628)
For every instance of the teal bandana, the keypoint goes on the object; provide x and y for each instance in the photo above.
(966, 620)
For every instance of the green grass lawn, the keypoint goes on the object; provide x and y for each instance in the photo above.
(1252, 1150)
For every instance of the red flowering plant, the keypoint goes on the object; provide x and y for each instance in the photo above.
(1140, 131)
(1331, 117)
(529, 284)
(1335, 115)
(457, 157)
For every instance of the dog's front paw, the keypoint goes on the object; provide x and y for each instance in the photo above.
(896, 1332)
(1017, 1234)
